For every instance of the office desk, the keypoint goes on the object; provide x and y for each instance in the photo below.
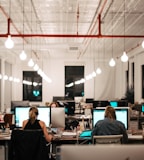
(132, 139)
(4, 141)
(135, 139)
(71, 140)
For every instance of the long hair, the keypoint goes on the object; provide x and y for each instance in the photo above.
(110, 112)
(33, 113)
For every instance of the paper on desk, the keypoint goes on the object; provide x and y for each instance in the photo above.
(69, 133)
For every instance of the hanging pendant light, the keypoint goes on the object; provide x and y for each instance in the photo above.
(112, 62)
(9, 42)
(143, 44)
(98, 70)
(124, 57)
(31, 63)
(23, 55)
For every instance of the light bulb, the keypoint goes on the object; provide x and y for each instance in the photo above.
(98, 71)
(36, 67)
(93, 74)
(9, 42)
(23, 55)
(30, 63)
(143, 44)
(112, 62)
(124, 57)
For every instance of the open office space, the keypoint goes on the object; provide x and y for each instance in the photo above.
(55, 34)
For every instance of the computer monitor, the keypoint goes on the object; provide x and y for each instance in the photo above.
(58, 117)
(89, 100)
(69, 107)
(22, 113)
(113, 104)
(122, 103)
(18, 104)
(122, 114)
(100, 152)
(142, 108)
(100, 103)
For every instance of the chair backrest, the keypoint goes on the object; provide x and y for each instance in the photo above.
(107, 139)
(28, 145)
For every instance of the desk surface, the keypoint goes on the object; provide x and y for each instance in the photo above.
(74, 137)
(135, 137)
(5, 136)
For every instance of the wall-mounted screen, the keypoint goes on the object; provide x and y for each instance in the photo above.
(22, 113)
(122, 114)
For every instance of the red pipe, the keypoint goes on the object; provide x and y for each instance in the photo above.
(72, 36)
(99, 35)
(9, 21)
(99, 25)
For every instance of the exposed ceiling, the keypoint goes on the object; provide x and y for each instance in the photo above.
(71, 28)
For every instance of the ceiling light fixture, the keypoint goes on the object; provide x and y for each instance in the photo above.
(31, 63)
(124, 57)
(23, 55)
(98, 70)
(143, 44)
(9, 42)
(112, 61)
(36, 67)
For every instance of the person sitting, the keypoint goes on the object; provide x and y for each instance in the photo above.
(54, 104)
(110, 126)
(34, 123)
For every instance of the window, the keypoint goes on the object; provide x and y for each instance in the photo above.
(32, 86)
(72, 74)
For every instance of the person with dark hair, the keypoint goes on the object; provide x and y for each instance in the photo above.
(110, 126)
(34, 123)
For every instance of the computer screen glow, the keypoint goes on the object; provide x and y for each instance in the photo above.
(142, 108)
(22, 113)
(121, 115)
(114, 104)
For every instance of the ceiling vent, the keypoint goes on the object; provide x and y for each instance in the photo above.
(73, 48)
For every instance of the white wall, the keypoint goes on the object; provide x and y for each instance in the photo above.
(111, 84)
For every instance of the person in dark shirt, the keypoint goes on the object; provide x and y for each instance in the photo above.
(34, 123)
(110, 126)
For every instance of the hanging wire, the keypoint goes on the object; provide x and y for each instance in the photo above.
(23, 23)
(112, 30)
(124, 25)
(9, 8)
(31, 28)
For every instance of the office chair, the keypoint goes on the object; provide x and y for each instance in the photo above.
(28, 145)
(107, 139)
